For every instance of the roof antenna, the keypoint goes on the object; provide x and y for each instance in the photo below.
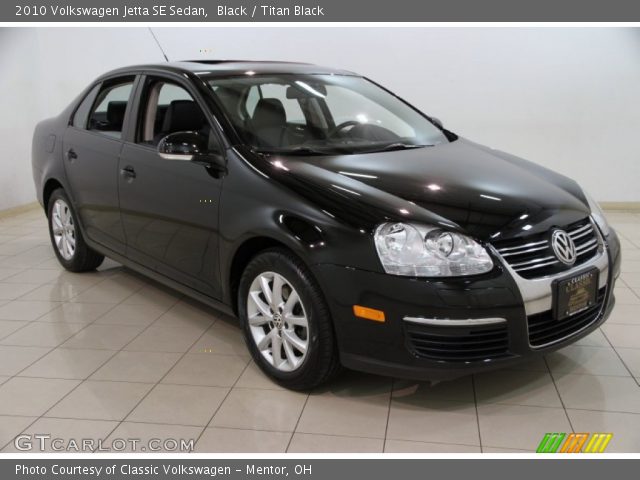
(158, 43)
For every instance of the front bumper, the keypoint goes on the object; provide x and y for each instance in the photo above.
(396, 347)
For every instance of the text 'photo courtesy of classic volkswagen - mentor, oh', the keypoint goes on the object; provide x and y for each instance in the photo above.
(341, 225)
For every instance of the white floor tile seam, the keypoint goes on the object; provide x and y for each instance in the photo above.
(564, 407)
(557, 376)
(169, 424)
(386, 425)
(409, 441)
(208, 425)
(67, 322)
(243, 388)
(133, 350)
(55, 347)
(80, 382)
(622, 412)
(560, 374)
(164, 376)
(164, 424)
(617, 322)
(92, 373)
(475, 402)
(30, 248)
(306, 401)
(46, 313)
(615, 349)
(34, 286)
(89, 379)
(342, 434)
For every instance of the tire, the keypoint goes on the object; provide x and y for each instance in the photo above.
(66, 238)
(320, 361)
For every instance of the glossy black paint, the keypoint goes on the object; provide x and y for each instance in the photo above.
(193, 227)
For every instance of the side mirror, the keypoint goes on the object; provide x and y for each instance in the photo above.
(437, 122)
(190, 147)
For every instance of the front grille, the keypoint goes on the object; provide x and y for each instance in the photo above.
(545, 329)
(458, 344)
(532, 256)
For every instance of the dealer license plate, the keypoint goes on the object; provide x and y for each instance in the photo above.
(575, 294)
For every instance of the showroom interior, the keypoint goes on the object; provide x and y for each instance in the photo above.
(113, 354)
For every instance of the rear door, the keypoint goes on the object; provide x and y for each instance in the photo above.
(170, 207)
(91, 147)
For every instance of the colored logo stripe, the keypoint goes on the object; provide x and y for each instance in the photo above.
(550, 442)
(574, 443)
(598, 442)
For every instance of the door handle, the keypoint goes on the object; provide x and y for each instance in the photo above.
(128, 172)
(71, 154)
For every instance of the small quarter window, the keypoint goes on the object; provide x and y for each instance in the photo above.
(109, 109)
(82, 112)
(253, 97)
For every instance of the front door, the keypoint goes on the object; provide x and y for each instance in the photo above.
(170, 207)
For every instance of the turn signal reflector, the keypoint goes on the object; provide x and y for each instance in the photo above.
(368, 313)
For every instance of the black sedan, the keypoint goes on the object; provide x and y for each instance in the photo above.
(339, 223)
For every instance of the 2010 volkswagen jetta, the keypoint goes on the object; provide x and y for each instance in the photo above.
(339, 223)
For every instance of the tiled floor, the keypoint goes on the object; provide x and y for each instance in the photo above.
(112, 355)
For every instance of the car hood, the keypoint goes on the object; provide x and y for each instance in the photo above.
(460, 185)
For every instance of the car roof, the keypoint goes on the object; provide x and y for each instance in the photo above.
(225, 68)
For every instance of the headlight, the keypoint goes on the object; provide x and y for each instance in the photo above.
(420, 251)
(597, 214)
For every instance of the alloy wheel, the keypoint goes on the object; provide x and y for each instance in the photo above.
(278, 321)
(63, 228)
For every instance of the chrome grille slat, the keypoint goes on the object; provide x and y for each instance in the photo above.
(578, 232)
(587, 246)
(539, 265)
(529, 250)
(575, 236)
(532, 244)
(531, 262)
(534, 257)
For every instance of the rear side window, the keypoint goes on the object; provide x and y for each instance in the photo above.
(107, 114)
(82, 112)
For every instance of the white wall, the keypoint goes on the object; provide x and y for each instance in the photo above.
(41, 72)
(567, 98)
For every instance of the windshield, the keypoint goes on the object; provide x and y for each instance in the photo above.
(320, 115)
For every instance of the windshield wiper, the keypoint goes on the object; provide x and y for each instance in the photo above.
(302, 151)
(396, 146)
(337, 150)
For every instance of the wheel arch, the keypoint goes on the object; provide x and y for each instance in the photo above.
(248, 250)
(50, 186)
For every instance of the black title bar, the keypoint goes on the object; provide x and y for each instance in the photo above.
(319, 11)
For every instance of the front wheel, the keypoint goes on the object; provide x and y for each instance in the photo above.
(67, 240)
(286, 322)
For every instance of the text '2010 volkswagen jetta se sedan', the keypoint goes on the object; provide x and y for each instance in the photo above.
(339, 223)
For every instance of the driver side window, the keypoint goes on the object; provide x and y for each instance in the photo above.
(169, 108)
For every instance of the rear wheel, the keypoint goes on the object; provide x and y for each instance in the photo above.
(286, 322)
(68, 244)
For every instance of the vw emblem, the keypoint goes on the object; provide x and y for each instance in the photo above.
(563, 247)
